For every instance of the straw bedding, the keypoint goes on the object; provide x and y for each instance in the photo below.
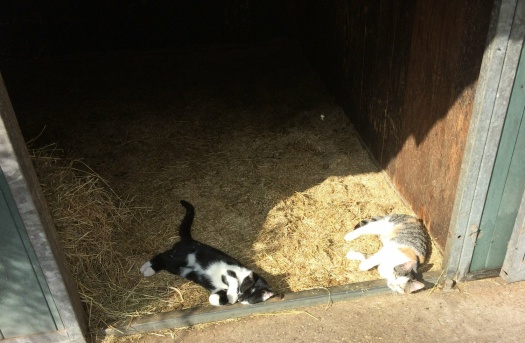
(250, 137)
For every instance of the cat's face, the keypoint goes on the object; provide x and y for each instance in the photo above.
(405, 285)
(403, 281)
(254, 289)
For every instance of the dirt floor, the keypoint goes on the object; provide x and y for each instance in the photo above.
(249, 135)
(478, 311)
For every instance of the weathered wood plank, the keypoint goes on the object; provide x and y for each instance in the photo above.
(439, 94)
(190, 317)
(405, 73)
(492, 95)
(506, 185)
(514, 265)
(482, 274)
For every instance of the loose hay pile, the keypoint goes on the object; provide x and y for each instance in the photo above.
(273, 167)
(92, 223)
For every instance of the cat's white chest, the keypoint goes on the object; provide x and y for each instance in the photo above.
(392, 257)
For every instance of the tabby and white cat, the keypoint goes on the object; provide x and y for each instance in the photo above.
(225, 277)
(405, 244)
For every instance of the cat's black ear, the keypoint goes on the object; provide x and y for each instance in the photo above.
(255, 277)
(247, 283)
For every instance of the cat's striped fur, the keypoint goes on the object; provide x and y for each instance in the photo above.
(405, 246)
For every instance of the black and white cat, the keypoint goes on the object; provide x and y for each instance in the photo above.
(225, 277)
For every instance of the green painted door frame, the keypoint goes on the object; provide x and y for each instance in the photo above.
(488, 207)
(25, 300)
(39, 301)
(506, 185)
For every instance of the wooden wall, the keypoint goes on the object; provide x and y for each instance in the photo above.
(405, 73)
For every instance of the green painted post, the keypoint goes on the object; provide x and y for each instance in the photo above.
(507, 183)
(24, 309)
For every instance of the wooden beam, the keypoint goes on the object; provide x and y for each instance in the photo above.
(291, 301)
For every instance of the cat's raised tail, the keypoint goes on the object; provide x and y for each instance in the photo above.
(187, 221)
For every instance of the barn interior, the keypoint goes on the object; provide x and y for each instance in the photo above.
(284, 123)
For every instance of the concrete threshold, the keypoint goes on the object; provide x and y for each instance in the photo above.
(291, 301)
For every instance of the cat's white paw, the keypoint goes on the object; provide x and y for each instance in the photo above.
(144, 266)
(214, 299)
(351, 236)
(146, 269)
(232, 298)
(364, 266)
(354, 255)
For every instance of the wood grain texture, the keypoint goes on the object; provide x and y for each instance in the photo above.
(405, 73)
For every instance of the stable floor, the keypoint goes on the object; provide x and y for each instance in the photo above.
(248, 134)
(478, 311)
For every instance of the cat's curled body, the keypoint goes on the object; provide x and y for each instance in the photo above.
(225, 277)
(405, 245)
